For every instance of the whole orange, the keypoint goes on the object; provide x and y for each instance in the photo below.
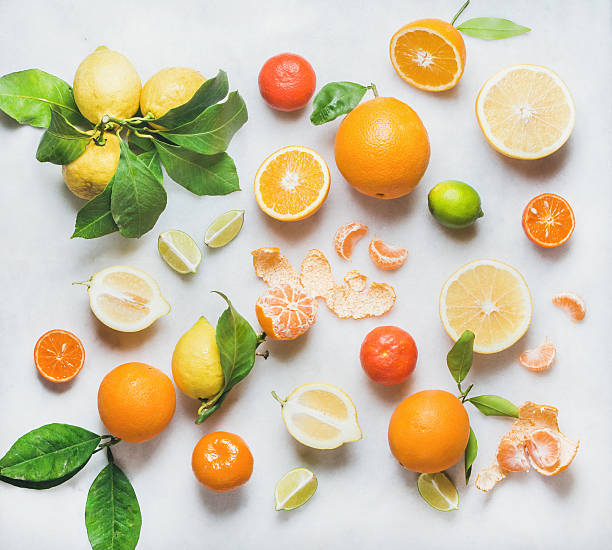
(136, 402)
(388, 355)
(287, 82)
(222, 461)
(382, 148)
(428, 431)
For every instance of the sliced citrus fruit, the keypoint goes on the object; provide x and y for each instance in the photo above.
(286, 311)
(347, 236)
(572, 303)
(294, 489)
(292, 183)
(320, 415)
(489, 298)
(386, 256)
(438, 491)
(224, 229)
(548, 220)
(179, 251)
(525, 111)
(125, 298)
(59, 355)
(540, 358)
(429, 54)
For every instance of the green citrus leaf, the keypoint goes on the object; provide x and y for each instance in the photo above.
(62, 142)
(494, 405)
(151, 160)
(335, 99)
(112, 513)
(137, 198)
(200, 174)
(471, 450)
(209, 93)
(49, 453)
(139, 143)
(491, 28)
(28, 97)
(459, 358)
(41, 485)
(213, 129)
(95, 218)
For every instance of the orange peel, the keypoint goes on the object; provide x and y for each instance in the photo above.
(316, 274)
(346, 238)
(536, 434)
(271, 266)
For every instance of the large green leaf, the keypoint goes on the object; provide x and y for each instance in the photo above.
(62, 142)
(200, 174)
(49, 453)
(137, 198)
(459, 358)
(335, 99)
(112, 513)
(41, 485)
(151, 160)
(28, 96)
(209, 93)
(95, 218)
(212, 130)
(494, 405)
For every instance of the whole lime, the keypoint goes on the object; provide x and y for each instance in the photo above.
(454, 204)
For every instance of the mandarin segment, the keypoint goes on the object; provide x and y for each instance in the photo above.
(572, 303)
(346, 238)
(386, 256)
(540, 358)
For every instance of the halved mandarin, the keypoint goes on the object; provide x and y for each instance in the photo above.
(572, 303)
(387, 256)
(59, 355)
(548, 220)
(540, 358)
(292, 183)
(429, 54)
(347, 236)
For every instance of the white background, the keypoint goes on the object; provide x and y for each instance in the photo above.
(364, 496)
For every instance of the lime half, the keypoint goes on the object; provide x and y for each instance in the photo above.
(294, 489)
(224, 229)
(179, 251)
(438, 491)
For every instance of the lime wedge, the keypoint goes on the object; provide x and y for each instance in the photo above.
(224, 229)
(294, 489)
(179, 251)
(438, 491)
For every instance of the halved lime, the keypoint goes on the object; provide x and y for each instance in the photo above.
(294, 489)
(438, 491)
(179, 251)
(224, 229)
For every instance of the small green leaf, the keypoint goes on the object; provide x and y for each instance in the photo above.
(459, 358)
(471, 450)
(95, 218)
(212, 130)
(200, 174)
(140, 143)
(491, 28)
(206, 411)
(28, 97)
(62, 142)
(112, 513)
(137, 198)
(335, 99)
(209, 93)
(151, 160)
(494, 405)
(49, 453)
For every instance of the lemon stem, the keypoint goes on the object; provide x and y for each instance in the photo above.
(84, 283)
(461, 10)
(374, 89)
(281, 401)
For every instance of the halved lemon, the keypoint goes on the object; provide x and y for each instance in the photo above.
(292, 183)
(125, 298)
(525, 111)
(489, 298)
(320, 415)
(429, 54)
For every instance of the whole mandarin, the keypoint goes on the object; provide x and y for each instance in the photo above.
(388, 355)
(287, 82)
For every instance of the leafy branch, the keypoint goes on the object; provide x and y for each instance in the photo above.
(488, 28)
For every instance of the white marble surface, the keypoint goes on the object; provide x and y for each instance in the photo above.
(364, 497)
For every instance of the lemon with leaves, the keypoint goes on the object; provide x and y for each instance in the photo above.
(196, 365)
(106, 83)
(169, 88)
(88, 175)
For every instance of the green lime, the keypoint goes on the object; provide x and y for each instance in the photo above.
(179, 251)
(224, 229)
(294, 489)
(438, 491)
(454, 204)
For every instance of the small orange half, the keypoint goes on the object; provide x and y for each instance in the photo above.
(292, 183)
(59, 355)
(548, 220)
(429, 54)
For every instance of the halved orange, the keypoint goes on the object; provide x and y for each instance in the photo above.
(292, 183)
(429, 54)
(548, 220)
(59, 355)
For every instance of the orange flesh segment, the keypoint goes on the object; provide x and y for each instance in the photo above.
(59, 355)
(540, 358)
(290, 309)
(572, 303)
(548, 220)
(386, 256)
(347, 236)
(544, 448)
(511, 455)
